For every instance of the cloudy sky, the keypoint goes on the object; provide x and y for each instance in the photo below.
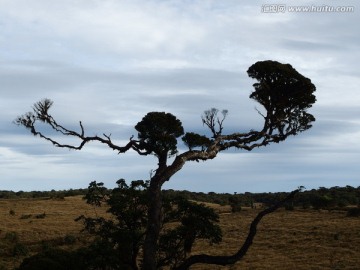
(109, 62)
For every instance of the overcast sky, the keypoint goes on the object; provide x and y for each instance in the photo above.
(109, 62)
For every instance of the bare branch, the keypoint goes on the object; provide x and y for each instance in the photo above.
(211, 119)
(41, 114)
(82, 130)
(259, 112)
(107, 136)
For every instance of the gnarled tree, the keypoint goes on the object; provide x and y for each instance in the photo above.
(284, 94)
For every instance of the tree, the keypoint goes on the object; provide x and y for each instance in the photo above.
(284, 94)
(122, 235)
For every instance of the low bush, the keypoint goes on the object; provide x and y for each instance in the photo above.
(353, 212)
(11, 236)
(235, 203)
(20, 249)
(25, 216)
(69, 239)
(43, 215)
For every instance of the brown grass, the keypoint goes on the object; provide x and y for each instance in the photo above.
(292, 240)
(285, 240)
(36, 232)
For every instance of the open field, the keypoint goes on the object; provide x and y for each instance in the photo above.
(300, 239)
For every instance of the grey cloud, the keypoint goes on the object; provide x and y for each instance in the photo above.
(111, 77)
(42, 76)
(300, 45)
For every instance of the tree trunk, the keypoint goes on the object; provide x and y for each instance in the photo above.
(163, 174)
(153, 226)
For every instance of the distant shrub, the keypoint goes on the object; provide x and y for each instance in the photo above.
(45, 246)
(235, 203)
(289, 207)
(43, 215)
(235, 208)
(25, 216)
(20, 249)
(69, 239)
(11, 236)
(353, 212)
(12, 212)
(322, 202)
(58, 196)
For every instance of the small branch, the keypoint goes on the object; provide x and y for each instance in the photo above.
(227, 260)
(260, 113)
(107, 137)
(142, 153)
(82, 130)
(213, 122)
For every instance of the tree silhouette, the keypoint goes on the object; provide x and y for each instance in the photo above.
(122, 235)
(284, 94)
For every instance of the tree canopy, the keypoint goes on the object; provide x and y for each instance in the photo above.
(285, 94)
(158, 133)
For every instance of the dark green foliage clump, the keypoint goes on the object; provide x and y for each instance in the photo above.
(53, 194)
(285, 94)
(289, 206)
(11, 237)
(69, 239)
(193, 140)
(122, 236)
(40, 216)
(158, 131)
(196, 221)
(235, 203)
(12, 245)
(340, 196)
(20, 249)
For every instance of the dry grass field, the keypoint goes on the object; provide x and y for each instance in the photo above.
(300, 239)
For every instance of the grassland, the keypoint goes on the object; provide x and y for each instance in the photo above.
(300, 239)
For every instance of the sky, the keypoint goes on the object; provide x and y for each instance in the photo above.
(109, 62)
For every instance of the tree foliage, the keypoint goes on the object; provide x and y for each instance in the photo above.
(158, 133)
(122, 236)
(285, 94)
